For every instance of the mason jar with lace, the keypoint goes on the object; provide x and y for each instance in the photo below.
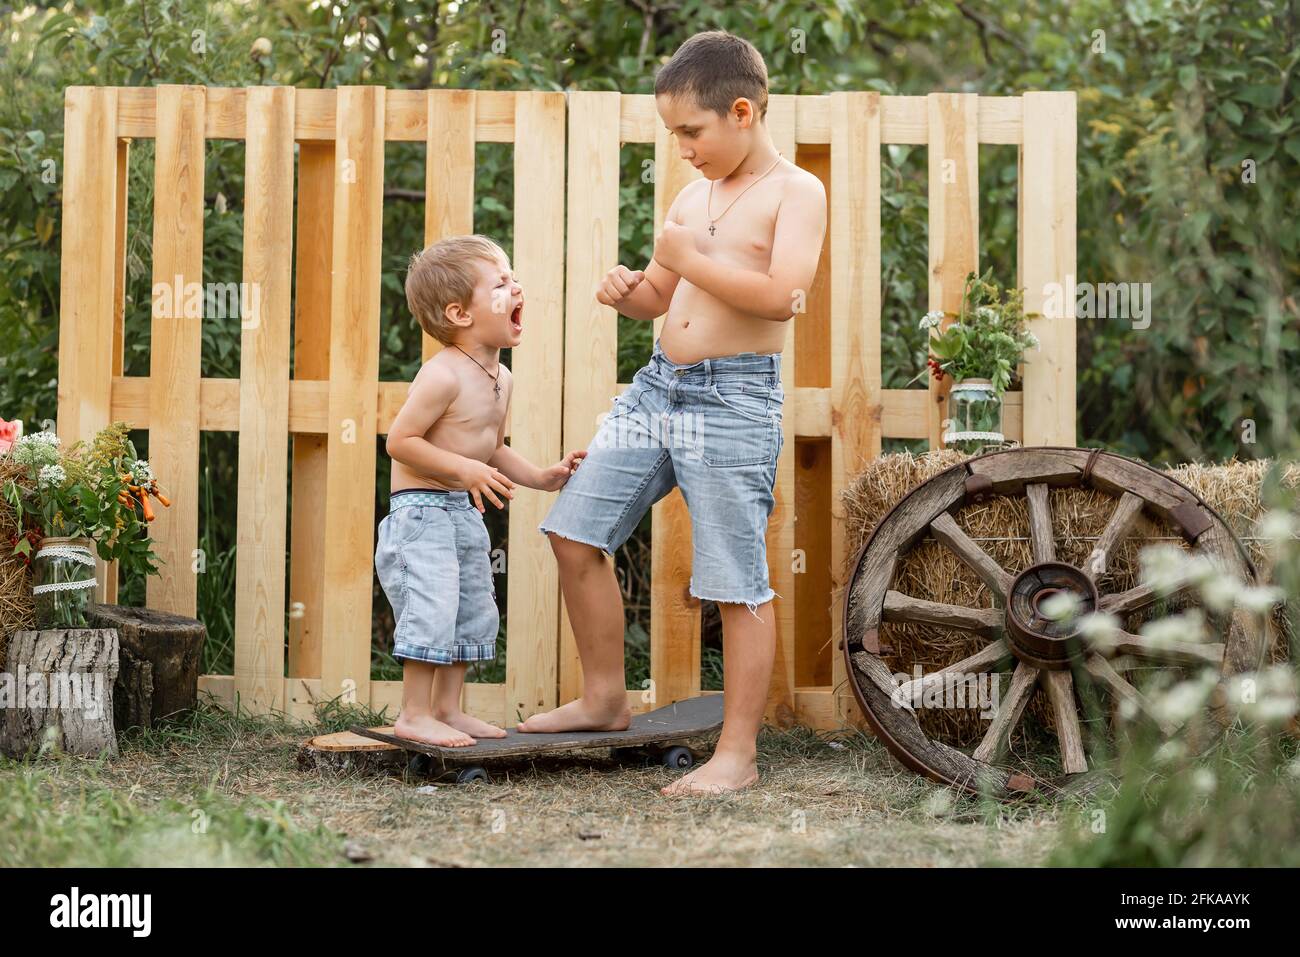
(63, 575)
(975, 416)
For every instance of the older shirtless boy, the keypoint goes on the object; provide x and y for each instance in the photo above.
(738, 251)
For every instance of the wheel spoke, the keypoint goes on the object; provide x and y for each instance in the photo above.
(982, 621)
(1040, 523)
(1117, 529)
(945, 529)
(995, 740)
(1121, 603)
(1060, 690)
(978, 663)
(1101, 669)
(1172, 652)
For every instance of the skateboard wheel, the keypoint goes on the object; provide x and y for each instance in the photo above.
(470, 775)
(678, 758)
(420, 765)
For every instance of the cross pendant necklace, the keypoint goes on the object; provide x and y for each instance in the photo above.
(496, 385)
(709, 205)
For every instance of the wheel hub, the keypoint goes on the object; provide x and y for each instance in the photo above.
(1036, 637)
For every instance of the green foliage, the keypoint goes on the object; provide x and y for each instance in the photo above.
(988, 337)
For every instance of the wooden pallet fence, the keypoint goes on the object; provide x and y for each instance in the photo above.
(307, 639)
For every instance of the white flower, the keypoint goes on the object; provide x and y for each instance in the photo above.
(1278, 526)
(1172, 750)
(1260, 598)
(989, 313)
(939, 803)
(1100, 629)
(37, 449)
(931, 319)
(51, 475)
(141, 471)
(1220, 593)
(1203, 780)
(1267, 697)
(1033, 340)
(1188, 626)
(1061, 606)
(1179, 703)
(1167, 568)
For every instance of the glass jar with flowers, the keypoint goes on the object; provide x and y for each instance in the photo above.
(980, 351)
(71, 504)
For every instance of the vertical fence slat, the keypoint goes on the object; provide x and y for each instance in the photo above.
(675, 615)
(264, 398)
(781, 523)
(1046, 254)
(176, 341)
(855, 330)
(812, 528)
(311, 360)
(448, 176)
(533, 588)
(954, 218)
(590, 329)
(353, 392)
(87, 276)
(107, 571)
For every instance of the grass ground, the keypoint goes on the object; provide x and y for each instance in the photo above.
(222, 789)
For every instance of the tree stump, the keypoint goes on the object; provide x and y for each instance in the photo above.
(161, 655)
(59, 682)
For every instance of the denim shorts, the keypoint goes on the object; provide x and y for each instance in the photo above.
(434, 562)
(712, 428)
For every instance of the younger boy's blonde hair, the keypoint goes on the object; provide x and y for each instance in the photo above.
(444, 273)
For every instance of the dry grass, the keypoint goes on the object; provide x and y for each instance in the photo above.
(817, 803)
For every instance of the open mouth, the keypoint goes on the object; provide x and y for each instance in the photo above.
(517, 318)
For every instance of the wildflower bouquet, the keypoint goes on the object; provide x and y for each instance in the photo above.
(989, 338)
(66, 499)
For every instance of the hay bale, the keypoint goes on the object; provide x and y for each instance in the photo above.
(1000, 525)
(17, 609)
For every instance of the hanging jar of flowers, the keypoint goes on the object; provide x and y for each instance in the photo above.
(980, 351)
(73, 505)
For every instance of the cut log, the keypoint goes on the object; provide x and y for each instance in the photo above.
(161, 655)
(344, 752)
(58, 684)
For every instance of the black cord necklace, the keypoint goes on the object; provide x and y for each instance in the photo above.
(496, 386)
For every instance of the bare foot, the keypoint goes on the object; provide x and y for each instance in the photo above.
(472, 725)
(580, 715)
(721, 773)
(430, 730)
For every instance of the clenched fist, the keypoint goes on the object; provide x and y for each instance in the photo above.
(673, 246)
(618, 285)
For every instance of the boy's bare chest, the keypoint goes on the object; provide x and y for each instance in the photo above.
(732, 227)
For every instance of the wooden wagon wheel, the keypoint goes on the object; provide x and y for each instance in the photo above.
(1045, 654)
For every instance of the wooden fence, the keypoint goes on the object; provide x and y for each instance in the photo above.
(565, 370)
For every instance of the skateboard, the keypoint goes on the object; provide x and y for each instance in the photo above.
(654, 737)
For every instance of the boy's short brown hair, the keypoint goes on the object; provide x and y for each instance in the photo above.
(714, 68)
(444, 273)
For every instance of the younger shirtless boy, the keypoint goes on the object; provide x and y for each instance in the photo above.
(448, 446)
(738, 252)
